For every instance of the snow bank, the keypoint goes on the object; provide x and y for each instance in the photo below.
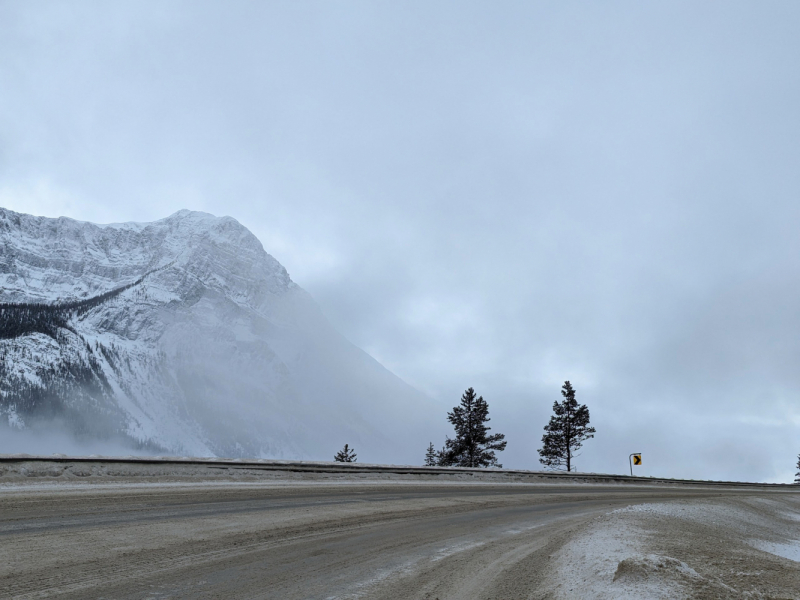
(681, 549)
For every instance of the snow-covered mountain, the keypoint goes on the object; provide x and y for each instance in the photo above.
(184, 336)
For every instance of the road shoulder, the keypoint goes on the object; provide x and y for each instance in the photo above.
(731, 547)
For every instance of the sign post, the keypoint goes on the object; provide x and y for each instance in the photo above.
(637, 460)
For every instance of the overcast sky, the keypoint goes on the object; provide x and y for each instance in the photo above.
(502, 195)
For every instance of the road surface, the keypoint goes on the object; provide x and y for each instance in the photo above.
(308, 540)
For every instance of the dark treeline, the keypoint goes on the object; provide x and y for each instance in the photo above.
(21, 319)
(17, 319)
(71, 393)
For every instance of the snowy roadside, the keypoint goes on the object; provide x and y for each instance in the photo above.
(94, 469)
(736, 547)
(92, 485)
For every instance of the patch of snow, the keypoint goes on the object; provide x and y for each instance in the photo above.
(705, 512)
(452, 549)
(790, 550)
(608, 561)
(589, 565)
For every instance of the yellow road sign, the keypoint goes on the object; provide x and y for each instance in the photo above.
(637, 459)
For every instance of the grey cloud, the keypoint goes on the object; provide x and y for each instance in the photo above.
(499, 196)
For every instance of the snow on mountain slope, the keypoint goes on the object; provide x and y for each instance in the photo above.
(205, 346)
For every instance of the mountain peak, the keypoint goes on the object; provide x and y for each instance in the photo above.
(199, 216)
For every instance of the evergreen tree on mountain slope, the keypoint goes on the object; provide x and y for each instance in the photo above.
(567, 430)
(472, 445)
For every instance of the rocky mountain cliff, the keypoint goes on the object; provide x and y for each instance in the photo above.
(184, 336)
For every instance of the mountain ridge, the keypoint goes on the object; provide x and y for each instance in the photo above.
(202, 344)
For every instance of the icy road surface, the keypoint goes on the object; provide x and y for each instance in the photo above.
(396, 540)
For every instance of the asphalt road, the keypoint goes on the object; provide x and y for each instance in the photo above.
(297, 541)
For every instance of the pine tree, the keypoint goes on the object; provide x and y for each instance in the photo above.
(797, 475)
(472, 446)
(567, 430)
(443, 458)
(346, 454)
(430, 456)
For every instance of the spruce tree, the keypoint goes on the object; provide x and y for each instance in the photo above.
(797, 475)
(346, 454)
(443, 458)
(472, 446)
(430, 456)
(567, 430)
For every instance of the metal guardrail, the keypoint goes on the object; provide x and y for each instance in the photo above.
(361, 468)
